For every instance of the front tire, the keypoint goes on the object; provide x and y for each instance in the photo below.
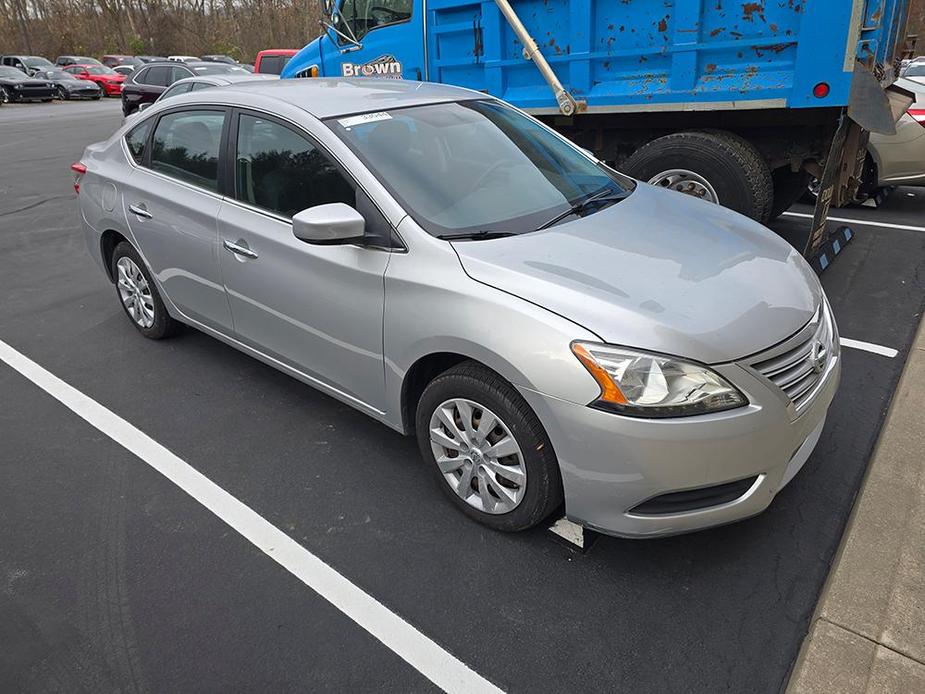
(715, 165)
(487, 448)
(138, 294)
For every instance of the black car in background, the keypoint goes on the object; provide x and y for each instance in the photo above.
(65, 60)
(149, 81)
(67, 86)
(16, 85)
(30, 64)
(114, 60)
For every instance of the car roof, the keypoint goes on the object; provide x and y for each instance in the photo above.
(326, 97)
(222, 80)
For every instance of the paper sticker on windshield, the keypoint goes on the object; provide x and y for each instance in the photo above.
(364, 118)
(383, 66)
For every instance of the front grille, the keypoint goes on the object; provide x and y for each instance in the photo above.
(694, 499)
(798, 370)
(35, 92)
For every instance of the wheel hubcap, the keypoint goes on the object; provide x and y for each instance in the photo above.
(687, 182)
(478, 455)
(135, 292)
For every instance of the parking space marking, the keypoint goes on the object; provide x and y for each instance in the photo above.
(868, 347)
(845, 220)
(427, 657)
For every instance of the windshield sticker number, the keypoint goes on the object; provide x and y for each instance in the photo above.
(364, 118)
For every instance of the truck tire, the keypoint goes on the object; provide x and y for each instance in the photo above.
(714, 165)
(789, 187)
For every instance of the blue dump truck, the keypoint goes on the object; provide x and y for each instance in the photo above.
(740, 103)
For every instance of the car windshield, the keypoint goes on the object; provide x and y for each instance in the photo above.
(217, 69)
(59, 75)
(476, 166)
(101, 70)
(13, 72)
(85, 60)
(36, 61)
(915, 70)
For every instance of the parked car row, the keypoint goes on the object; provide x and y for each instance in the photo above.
(137, 79)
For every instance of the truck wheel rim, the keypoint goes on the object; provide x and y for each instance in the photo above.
(687, 182)
(135, 293)
(478, 456)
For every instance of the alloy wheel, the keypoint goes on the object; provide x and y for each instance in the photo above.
(687, 182)
(135, 292)
(478, 456)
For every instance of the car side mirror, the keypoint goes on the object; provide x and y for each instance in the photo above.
(329, 224)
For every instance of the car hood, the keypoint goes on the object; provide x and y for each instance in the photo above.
(24, 80)
(658, 271)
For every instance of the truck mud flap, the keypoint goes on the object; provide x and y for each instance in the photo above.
(839, 180)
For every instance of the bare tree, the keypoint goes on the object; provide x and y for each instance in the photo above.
(238, 28)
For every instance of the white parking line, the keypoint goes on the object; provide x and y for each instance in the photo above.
(436, 664)
(868, 347)
(862, 222)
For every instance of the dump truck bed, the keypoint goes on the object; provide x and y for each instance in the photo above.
(633, 55)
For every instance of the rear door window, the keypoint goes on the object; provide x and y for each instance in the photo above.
(186, 145)
(155, 76)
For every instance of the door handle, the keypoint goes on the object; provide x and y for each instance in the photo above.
(239, 250)
(140, 211)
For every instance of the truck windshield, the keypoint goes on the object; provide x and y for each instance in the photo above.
(478, 166)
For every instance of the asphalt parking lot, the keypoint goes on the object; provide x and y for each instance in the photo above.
(113, 578)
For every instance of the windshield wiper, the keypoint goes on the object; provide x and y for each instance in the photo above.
(476, 235)
(603, 196)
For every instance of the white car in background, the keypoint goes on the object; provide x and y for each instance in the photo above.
(899, 159)
(894, 160)
(184, 58)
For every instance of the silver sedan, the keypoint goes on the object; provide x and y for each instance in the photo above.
(550, 330)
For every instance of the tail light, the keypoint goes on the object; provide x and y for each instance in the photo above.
(919, 115)
(79, 170)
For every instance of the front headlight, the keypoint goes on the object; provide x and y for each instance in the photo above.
(652, 385)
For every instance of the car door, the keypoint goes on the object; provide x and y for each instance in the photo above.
(390, 37)
(172, 200)
(317, 308)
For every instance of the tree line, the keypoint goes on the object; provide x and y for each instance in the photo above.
(238, 28)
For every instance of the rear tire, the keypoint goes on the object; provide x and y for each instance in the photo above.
(530, 486)
(729, 164)
(138, 294)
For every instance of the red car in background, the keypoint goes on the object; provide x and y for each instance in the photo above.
(108, 80)
(273, 60)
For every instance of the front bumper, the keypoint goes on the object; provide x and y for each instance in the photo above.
(610, 463)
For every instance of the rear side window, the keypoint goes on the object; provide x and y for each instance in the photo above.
(186, 146)
(279, 170)
(137, 140)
